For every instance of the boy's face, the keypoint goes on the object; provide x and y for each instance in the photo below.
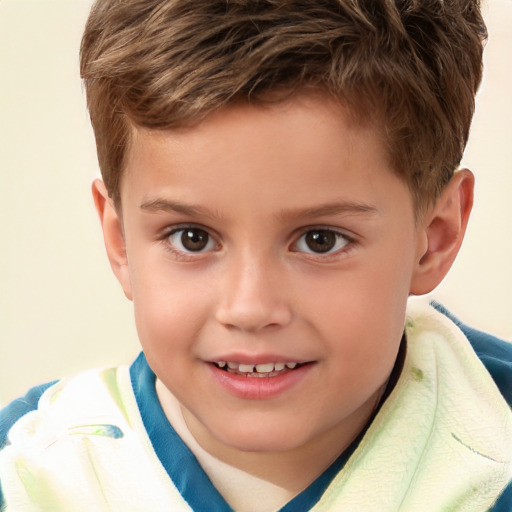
(266, 236)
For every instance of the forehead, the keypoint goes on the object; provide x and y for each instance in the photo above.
(303, 112)
(302, 150)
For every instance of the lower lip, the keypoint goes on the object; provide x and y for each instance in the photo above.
(259, 388)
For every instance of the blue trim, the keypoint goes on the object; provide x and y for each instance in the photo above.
(312, 494)
(182, 466)
(504, 502)
(179, 462)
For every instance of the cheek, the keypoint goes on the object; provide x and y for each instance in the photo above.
(169, 308)
(358, 295)
(361, 312)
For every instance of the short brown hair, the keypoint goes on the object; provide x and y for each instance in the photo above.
(412, 65)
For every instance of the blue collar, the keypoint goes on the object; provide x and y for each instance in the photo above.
(182, 466)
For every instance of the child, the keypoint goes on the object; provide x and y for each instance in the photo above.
(278, 179)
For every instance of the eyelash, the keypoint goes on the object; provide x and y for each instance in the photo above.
(191, 255)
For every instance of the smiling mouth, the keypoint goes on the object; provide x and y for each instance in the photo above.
(258, 370)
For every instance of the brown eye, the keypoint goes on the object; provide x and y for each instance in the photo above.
(320, 241)
(194, 239)
(191, 240)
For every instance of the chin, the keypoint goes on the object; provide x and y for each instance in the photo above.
(263, 440)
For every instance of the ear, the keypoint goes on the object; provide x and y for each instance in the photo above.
(442, 231)
(113, 236)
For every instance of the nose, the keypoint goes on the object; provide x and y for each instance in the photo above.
(253, 296)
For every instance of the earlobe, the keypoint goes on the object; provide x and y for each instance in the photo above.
(112, 235)
(442, 233)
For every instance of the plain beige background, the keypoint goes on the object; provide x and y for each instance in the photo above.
(61, 309)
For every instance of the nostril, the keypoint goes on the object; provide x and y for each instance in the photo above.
(253, 318)
(251, 300)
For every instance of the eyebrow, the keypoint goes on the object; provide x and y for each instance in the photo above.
(335, 208)
(164, 205)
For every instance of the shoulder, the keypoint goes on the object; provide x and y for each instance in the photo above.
(84, 388)
(18, 408)
(495, 353)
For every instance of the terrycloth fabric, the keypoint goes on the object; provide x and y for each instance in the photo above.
(85, 449)
(442, 441)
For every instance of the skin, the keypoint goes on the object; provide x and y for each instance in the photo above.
(257, 181)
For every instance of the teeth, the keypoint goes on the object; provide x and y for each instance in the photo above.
(265, 368)
(259, 368)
